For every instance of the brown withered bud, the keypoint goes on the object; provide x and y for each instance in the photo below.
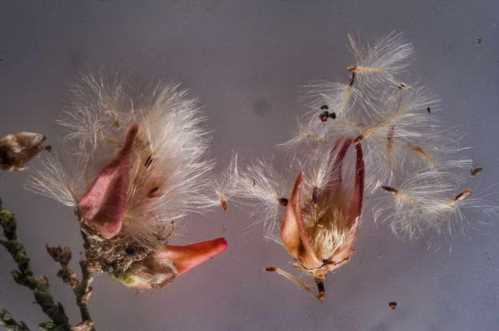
(61, 255)
(19, 148)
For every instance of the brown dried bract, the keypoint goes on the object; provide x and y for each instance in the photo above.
(19, 148)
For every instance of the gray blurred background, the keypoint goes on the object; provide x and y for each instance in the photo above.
(246, 60)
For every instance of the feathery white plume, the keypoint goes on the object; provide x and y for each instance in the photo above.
(382, 62)
(376, 135)
(134, 166)
(168, 172)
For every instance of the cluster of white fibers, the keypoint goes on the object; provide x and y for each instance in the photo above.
(406, 146)
(262, 188)
(169, 170)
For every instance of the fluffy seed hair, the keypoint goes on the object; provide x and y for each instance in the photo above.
(260, 188)
(169, 170)
(382, 62)
(429, 201)
(405, 143)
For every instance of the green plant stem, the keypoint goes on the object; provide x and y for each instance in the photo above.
(24, 275)
(9, 323)
(81, 288)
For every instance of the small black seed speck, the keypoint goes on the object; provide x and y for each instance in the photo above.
(130, 251)
(324, 116)
(476, 171)
(283, 202)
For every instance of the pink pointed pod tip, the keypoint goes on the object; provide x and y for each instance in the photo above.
(187, 257)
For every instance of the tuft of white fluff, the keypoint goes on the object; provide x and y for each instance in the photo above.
(429, 201)
(402, 135)
(53, 182)
(225, 185)
(169, 172)
(382, 62)
(260, 186)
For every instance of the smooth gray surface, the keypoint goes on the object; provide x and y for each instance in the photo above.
(245, 61)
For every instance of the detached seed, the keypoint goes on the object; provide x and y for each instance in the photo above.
(463, 195)
(324, 116)
(283, 202)
(130, 251)
(476, 171)
(390, 189)
(148, 161)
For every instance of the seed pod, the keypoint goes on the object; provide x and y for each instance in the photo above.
(19, 148)
(139, 168)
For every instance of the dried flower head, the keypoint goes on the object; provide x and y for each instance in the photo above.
(136, 167)
(19, 148)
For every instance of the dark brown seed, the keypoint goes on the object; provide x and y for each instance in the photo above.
(428, 109)
(153, 191)
(352, 79)
(148, 161)
(358, 139)
(476, 171)
(390, 189)
(324, 116)
(224, 205)
(283, 202)
(315, 195)
(392, 305)
(324, 107)
(463, 195)
(130, 251)
(352, 68)
(270, 269)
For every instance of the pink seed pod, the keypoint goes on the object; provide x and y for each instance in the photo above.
(319, 229)
(317, 221)
(134, 167)
(19, 148)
